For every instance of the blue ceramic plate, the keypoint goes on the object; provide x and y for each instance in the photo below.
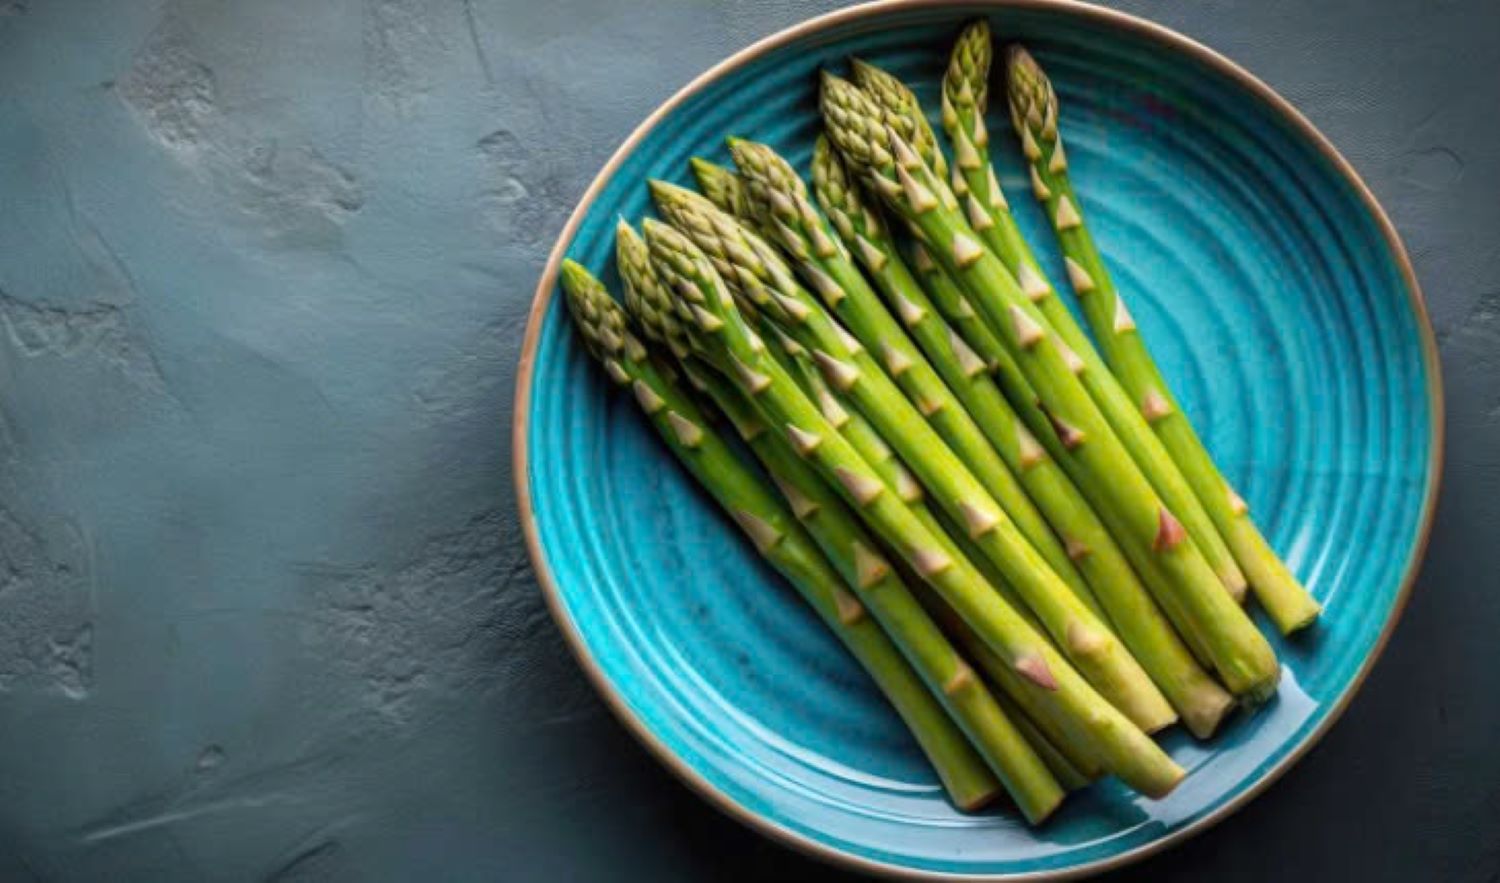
(1274, 293)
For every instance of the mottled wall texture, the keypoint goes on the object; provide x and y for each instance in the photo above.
(265, 613)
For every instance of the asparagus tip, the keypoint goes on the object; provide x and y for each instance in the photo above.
(1016, 57)
(976, 29)
(573, 274)
(653, 229)
(659, 189)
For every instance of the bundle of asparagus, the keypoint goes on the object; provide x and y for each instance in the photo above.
(1023, 541)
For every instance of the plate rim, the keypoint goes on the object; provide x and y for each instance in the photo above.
(1127, 22)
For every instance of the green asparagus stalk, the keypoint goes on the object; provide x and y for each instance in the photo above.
(1072, 770)
(701, 297)
(901, 110)
(965, 97)
(965, 86)
(724, 188)
(908, 186)
(1034, 111)
(645, 297)
(844, 540)
(1067, 776)
(780, 201)
(953, 303)
(956, 543)
(777, 536)
(650, 303)
(867, 442)
(849, 367)
(1192, 691)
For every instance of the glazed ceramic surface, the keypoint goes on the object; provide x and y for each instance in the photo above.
(1275, 298)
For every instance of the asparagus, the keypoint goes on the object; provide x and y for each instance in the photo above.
(1073, 771)
(991, 729)
(763, 279)
(1192, 691)
(725, 189)
(776, 534)
(780, 201)
(990, 216)
(1067, 776)
(965, 96)
(901, 111)
(645, 297)
(868, 444)
(1034, 112)
(701, 297)
(909, 187)
(955, 307)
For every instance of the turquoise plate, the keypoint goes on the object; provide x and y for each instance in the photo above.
(1272, 289)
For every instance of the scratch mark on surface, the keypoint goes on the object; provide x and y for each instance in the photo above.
(479, 52)
(198, 794)
(320, 862)
(171, 817)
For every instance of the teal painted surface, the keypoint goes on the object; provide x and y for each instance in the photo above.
(1272, 301)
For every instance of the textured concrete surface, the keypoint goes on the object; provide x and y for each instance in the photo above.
(264, 610)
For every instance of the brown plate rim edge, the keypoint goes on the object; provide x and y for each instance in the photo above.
(1125, 21)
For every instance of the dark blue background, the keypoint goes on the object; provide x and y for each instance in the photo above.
(265, 613)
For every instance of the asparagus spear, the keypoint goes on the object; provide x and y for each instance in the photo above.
(780, 201)
(857, 556)
(990, 216)
(725, 189)
(965, 97)
(1034, 111)
(701, 297)
(776, 534)
(646, 298)
(994, 729)
(900, 109)
(965, 86)
(1081, 634)
(908, 186)
(1192, 691)
(953, 304)
(1072, 771)
(868, 444)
